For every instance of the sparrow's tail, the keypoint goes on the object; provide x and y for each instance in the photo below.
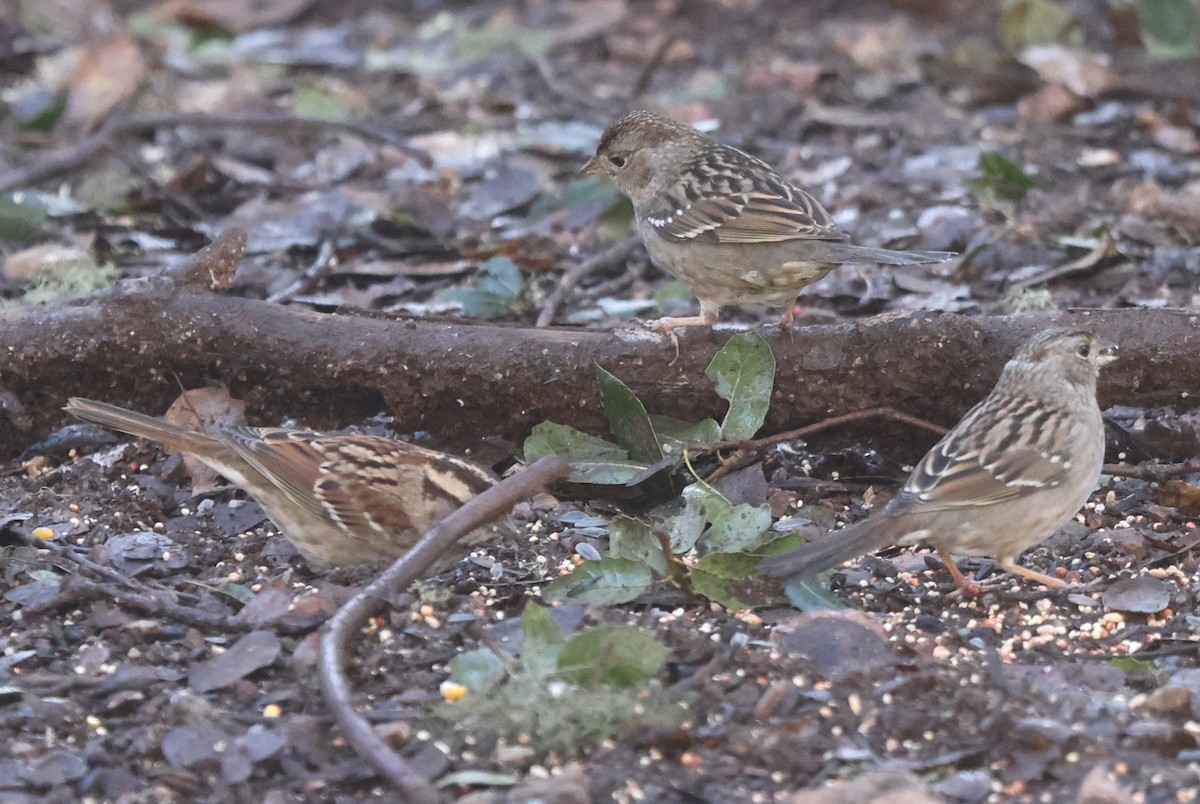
(885, 256)
(138, 424)
(835, 548)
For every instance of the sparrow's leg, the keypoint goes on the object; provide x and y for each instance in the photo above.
(965, 588)
(708, 316)
(709, 311)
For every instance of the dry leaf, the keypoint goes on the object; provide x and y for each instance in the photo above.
(1181, 495)
(203, 409)
(1180, 209)
(1085, 74)
(48, 258)
(107, 74)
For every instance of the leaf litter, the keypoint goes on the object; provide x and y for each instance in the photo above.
(487, 115)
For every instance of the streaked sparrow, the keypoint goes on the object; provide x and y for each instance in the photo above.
(1015, 469)
(340, 499)
(723, 221)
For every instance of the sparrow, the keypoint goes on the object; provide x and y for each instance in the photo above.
(723, 221)
(1017, 467)
(342, 500)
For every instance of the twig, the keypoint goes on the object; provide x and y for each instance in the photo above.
(139, 167)
(845, 418)
(633, 272)
(561, 88)
(309, 279)
(610, 256)
(746, 448)
(482, 509)
(102, 140)
(1105, 248)
(651, 67)
(127, 592)
(61, 161)
(1154, 472)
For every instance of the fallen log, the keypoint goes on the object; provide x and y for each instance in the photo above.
(465, 381)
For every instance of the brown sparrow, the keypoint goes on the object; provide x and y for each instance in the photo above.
(340, 499)
(723, 221)
(1015, 469)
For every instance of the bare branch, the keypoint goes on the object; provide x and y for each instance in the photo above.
(494, 502)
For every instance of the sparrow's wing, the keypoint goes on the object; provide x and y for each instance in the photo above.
(1005, 448)
(730, 197)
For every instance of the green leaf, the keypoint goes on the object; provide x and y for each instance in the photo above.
(1035, 22)
(809, 594)
(743, 372)
(606, 582)
(734, 527)
(46, 576)
(742, 527)
(592, 460)
(475, 302)
(674, 291)
(478, 670)
(633, 539)
(588, 192)
(1005, 176)
(615, 223)
(627, 418)
(1000, 184)
(539, 626)
(500, 276)
(503, 36)
(685, 528)
(617, 655)
(732, 580)
(675, 434)
(498, 283)
(543, 639)
(22, 215)
(805, 594)
(239, 592)
(37, 110)
(319, 104)
(711, 501)
(1170, 28)
(789, 542)
(1133, 666)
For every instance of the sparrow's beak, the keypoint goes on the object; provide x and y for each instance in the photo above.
(592, 168)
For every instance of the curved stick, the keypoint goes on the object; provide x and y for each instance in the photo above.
(494, 502)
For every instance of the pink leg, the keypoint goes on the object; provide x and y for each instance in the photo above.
(708, 316)
(965, 587)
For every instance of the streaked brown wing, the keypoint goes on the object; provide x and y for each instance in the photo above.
(362, 482)
(1014, 455)
(731, 197)
(288, 458)
(394, 485)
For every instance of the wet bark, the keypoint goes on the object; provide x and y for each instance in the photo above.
(467, 382)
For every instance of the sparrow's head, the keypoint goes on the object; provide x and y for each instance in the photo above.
(641, 146)
(1067, 353)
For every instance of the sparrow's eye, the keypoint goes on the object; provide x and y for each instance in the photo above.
(617, 161)
(1085, 350)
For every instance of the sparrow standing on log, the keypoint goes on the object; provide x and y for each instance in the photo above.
(723, 221)
(342, 500)
(1017, 467)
